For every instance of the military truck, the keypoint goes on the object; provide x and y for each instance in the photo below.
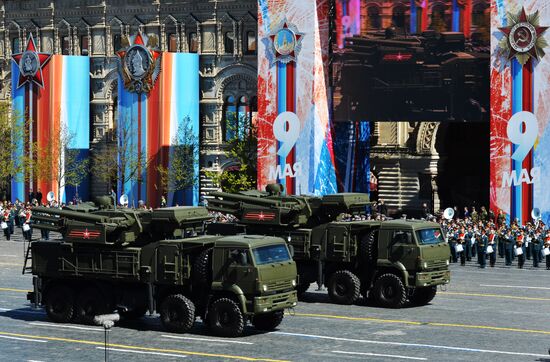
(391, 262)
(138, 261)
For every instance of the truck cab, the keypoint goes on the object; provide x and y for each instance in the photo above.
(415, 249)
(258, 270)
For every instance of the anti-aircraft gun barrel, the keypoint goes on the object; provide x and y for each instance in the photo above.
(276, 210)
(73, 215)
(244, 198)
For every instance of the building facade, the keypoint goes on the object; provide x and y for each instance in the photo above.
(404, 155)
(222, 32)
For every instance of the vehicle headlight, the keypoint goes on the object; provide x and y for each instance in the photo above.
(421, 276)
(447, 262)
(293, 282)
(425, 265)
(264, 288)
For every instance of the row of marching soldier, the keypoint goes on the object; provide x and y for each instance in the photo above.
(484, 239)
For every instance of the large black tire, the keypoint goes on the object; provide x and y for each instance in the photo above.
(368, 247)
(389, 291)
(422, 296)
(268, 321)
(225, 318)
(202, 271)
(344, 287)
(177, 313)
(90, 302)
(60, 304)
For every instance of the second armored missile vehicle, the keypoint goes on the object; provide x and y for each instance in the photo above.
(393, 262)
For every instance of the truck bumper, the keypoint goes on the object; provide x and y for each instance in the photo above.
(271, 303)
(428, 279)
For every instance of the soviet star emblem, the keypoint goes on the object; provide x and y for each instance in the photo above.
(286, 43)
(523, 38)
(139, 63)
(30, 64)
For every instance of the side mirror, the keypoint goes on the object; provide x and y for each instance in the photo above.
(240, 258)
(291, 250)
(243, 258)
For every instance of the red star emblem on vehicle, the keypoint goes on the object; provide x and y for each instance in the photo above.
(30, 64)
(261, 216)
(523, 37)
(86, 234)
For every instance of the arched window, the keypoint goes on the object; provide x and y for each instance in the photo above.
(373, 13)
(251, 43)
(115, 33)
(84, 45)
(244, 118)
(439, 20)
(478, 15)
(66, 45)
(398, 17)
(117, 42)
(15, 46)
(230, 116)
(193, 43)
(64, 38)
(229, 42)
(172, 42)
(238, 116)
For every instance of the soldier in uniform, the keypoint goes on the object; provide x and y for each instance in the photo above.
(492, 250)
(6, 217)
(501, 241)
(27, 234)
(536, 243)
(473, 241)
(547, 246)
(452, 244)
(501, 219)
(483, 214)
(13, 216)
(509, 247)
(528, 236)
(474, 215)
(520, 249)
(460, 247)
(491, 215)
(482, 249)
(468, 243)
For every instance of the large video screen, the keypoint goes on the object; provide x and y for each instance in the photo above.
(420, 64)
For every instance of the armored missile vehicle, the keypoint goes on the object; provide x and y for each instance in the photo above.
(138, 261)
(392, 262)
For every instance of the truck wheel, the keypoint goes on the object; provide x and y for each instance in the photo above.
(389, 291)
(60, 304)
(368, 250)
(177, 313)
(202, 272)
(90, 302)
(423, 296)
(344, 287)
(225, 318)
(268, 321)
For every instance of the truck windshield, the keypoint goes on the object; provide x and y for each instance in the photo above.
(429, 236)
(271, 254)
